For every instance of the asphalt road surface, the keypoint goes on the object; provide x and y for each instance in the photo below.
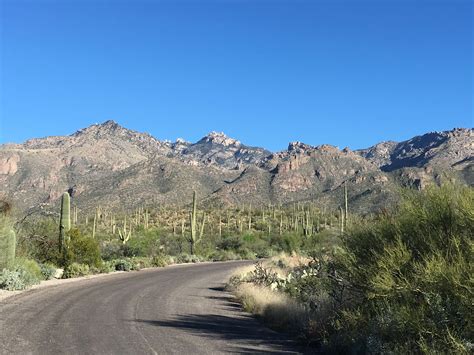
(175, 310)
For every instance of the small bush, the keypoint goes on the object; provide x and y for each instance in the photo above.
(230, 243)
(48, 271)
(83, 249)
(160, 261)
(25, 273)
(106, 267)
(142, 262)
(31, 268)
(111, 251)
(12, 280)
(247, 254)
(75, 270)
(126, 265)
(184, 258)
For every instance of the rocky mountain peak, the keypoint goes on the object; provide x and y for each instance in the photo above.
(100, 129)
(221, 139)
(438, 148)
(299, 147)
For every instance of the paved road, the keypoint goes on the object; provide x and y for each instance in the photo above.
(174, 310)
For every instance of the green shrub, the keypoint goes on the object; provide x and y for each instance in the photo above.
(7, 243)
(75, 270)
(23, 274)
(161, 261)
(230, 243)
(111, 251)
(48, 270)
(185, 258)
(288, 242)
(142, 262)
(247, 254)
(31, 267)
(12, 280)
(105, 267)
(146, 243)
(126, 265)
(404, 282)
(83, 249)
(39, 240)
(123, 265)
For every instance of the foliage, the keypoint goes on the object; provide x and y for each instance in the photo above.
(48, 270)
(230, 243)
(184, 258)
(82, 249)
(105, 267)
(39, 240)
(12, 280)
(405, 282)
(126, 265)
(161, 260)
(75, 270)
(399, 282)
(7, 242)
(146, 243)
(262, 276)
(23, 274)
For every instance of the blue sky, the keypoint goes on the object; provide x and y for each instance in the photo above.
(348, 73)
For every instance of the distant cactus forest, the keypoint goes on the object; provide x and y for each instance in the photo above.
(400, 280)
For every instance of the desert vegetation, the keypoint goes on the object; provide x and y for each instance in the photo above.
(398, 282)
(395, 281)
(82, 242)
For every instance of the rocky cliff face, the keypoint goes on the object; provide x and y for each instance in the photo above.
(113, 166)
(447, 149)
(221, 151)
(427, 158)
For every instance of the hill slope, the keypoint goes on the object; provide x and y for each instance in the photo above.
(119, 168)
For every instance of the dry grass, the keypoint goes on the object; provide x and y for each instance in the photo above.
(243, 271)
(286, 261)
(276, 309)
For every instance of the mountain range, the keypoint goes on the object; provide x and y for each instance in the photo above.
(121, 169)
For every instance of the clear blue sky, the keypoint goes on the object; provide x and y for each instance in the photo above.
(348, 73)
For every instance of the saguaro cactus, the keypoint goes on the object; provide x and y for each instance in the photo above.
(341, 220)
(65, 221)
(346, 210)
(124, 233)
(194, 227)
(193, 218)
(250, 217)
(7, 247)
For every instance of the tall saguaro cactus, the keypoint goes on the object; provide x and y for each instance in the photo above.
(341, 220)
(124, 233)
(194, 227)
(193, 218)
(346, 210)
(65, 221)
(7, 247)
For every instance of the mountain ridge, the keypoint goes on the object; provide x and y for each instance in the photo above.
(120, 167)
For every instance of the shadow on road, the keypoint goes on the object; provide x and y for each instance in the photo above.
(235, 328)
(242, 329)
